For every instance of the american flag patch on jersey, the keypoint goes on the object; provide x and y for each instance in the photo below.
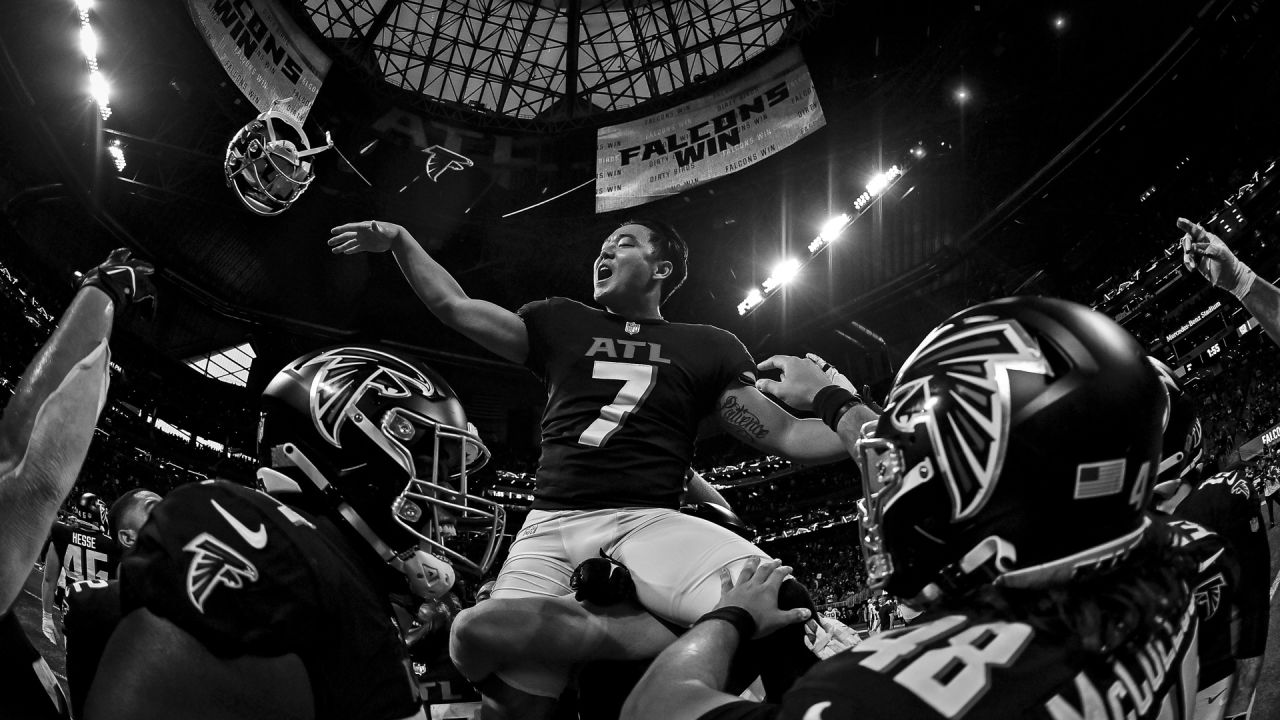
(1099, 479)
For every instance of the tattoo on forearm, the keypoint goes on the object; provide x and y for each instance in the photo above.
(744, 421)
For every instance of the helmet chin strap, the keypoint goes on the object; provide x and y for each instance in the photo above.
(357, 523)
(983, 564)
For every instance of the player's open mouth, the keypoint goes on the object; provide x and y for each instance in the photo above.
(603, 272)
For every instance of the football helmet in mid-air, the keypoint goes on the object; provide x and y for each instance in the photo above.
(383, 439)
(90, 510)
(1018, 446)
(266, 162)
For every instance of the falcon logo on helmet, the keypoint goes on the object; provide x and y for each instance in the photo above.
(344, 377)
(215, 563)
(970, 428)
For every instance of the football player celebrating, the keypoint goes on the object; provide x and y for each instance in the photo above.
(79, 549)
(1228, 540)
(1005, 489)
(240, 604)
(92, 606)
(44, 437)
(625, 393)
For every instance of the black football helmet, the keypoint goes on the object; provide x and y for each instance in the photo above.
(1018, 445)
(385, 441)
(90, 510)
(1182, 456)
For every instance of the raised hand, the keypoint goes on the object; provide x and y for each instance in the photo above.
(1206, 253)
(373, 236)
(126, 280)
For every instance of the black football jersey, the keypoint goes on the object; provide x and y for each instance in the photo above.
(247, 575)
(93, 611)
(956, 666)
(85, 555)
(1217, 577)
(624, 399)
(1225, 505)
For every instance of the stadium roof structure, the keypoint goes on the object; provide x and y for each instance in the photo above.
(523, 59)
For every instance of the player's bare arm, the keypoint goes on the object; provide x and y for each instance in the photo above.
(46, 431)
(761, 423)
(1205, 253)
(493, 327)
(801, 379)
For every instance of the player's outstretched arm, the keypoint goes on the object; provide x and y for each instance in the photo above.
(1206, 253)
(761, 423)
(48, 424)
(495, 328)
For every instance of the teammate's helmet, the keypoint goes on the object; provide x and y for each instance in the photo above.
(262, 163)
(1183, 450)
(1018, 446)
(385, 441)
(90, 510)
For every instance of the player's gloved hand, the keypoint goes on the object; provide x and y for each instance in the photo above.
(834, 376)
(826, 636)
(800, 381)
(757, 593)
(372, 236)
(50, 629)
(126, 280)
(1205, 252)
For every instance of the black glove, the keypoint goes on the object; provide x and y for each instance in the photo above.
(125, 280)
(603, 581)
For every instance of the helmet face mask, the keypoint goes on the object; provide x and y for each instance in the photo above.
(1019, 443)
(385, 441)
(264, 163)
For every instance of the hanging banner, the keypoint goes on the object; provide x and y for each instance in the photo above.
(684, 146)
(264, 52)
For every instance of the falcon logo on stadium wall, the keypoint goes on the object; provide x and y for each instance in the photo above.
(441, 160)
(215, 563)
(961, 395)
(347, 374)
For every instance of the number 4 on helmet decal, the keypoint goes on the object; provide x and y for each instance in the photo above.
(637, 381)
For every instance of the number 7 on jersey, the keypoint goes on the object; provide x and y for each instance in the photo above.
(637, 381)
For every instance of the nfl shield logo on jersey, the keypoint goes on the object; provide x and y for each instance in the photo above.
(632, 327)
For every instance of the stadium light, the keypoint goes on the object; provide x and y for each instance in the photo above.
(832, 229)
(754, 298)
(882, 180)
(116, 151)
(89, 43)
(782, 274)
(962, 94)
(84, 6)
(101, 92)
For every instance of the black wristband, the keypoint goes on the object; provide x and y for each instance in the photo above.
(832, 402)
(739, 618)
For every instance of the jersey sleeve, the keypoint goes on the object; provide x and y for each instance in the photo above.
(537, 316)
(216, 560)
(735, 367)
